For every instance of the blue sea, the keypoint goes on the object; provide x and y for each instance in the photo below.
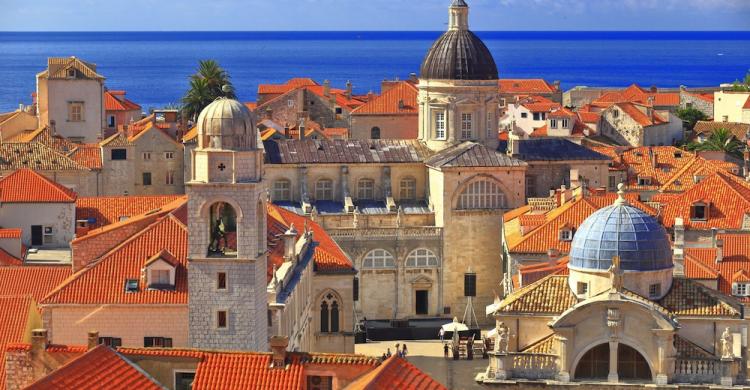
(154, 66)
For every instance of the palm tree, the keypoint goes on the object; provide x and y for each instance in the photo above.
(210, 82)
(721, 140)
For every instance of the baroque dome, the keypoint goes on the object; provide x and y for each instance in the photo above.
(459, 54)
(226, 124)
(621, 230)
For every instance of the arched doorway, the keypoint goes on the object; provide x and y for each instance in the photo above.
(631, 365)
(223, 233)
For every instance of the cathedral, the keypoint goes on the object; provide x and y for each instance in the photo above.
(617, 314)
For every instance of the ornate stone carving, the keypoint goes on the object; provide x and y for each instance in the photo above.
(727, 344)
(613, 318)
(616, 274)
(502, 338)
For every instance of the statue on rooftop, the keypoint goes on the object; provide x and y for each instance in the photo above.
(502, 339)
(616, 274)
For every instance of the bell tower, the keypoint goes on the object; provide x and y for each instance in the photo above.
(227, 232)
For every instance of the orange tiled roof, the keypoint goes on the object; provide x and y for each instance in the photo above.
(747, 104)
(525, 86)
(43, 135)
(738, 130)
(36, 281)
(291, 84)
(191, 135)
(14, 319)
(27, 186)
(727, 198)
(537, 103)
(691, 299)
(642, 118)
(572, 213)
(700, 263)
(57, 66)
(116, 101)
(531, 273)
(98, 368)
(88, 155)
(338, 95)
(105, 210)
(395, 373)
(8, 259)
(399, 100)
(549, 295)
(636, 94)
(35, 155)
(561, 113)
(10, 233)
(588, 117)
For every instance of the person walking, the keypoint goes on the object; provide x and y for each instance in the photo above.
(388, 353)
(404, 352)
(442, 335)
(445, 351)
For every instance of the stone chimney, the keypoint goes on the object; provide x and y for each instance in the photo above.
(370, 96)
(278, 348)
(719, 251)
(652, 157)
(327, 88)
(92, 339)
(553, 255)
(301, 129)
(52, 128)
(563, 194)
(290, 241)
(575, 178)
(39, 340)
(269, 113)
(556, 84)
(653, 89)
(714, 235)
(349, 90)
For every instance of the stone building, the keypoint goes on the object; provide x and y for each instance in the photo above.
(415, 215)
(635, 124)
(119, 111)
(392, 115)
(701, 101)
(618, 315)
(732, 106)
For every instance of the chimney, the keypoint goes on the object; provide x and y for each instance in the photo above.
(286, 131)
(278, 348)
(553, 254)
(370, 96)
(92, 340)
(575, 178)
(52, 129)
(327, 88)
(654, 89)
(401, 104)
(683, 88)
(652, 157)
(556, 83)
(714, 235)
(269, 113)
(719, 251)
(301, 129)
(563, 194)
(290, 240)
(39, 340)
(679, 238)
(349, 90)
(413, 77)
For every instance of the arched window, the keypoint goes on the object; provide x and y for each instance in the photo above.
(408, 188)
(324, 317)
(481, 194)
(422, 258)
(366, 189)
(282, 190)
(375, 133)
(378, 258)
(324, 189)
(329, 314)
(223, 234)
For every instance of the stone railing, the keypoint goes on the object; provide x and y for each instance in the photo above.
(533, 365)
(543, 204)
(374, 234)
(696, 371)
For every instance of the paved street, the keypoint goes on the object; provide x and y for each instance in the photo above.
(427, 355)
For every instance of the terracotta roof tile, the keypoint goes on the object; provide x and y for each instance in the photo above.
(27, 186)
(399, 100)
(545, 345)
(345, 151)
(472, 154)
(98, 368)
(58, 67)
(36, 281)
(525, 86)
(286, 87)
(531, 273)
(35, 155)
(10, 233)
(700, 263)
(117, 140)
(588, 117)
(689, 298)
(104, 210)
(14, 320)
(738, 130)
(116, 101)
(396, 373)
(88, 155)
(549, 295)
(8, 259)
(726, 196)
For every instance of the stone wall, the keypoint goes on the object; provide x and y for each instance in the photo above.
(397, 126)
(59, 216)
(689, 100)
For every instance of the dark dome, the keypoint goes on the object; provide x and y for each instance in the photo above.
(459, 55)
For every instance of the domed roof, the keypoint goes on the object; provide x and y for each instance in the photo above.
(226, 124)
(620, 230)
(459, 54)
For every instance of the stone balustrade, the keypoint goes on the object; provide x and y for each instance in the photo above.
(534, 366)
(544, 204)
(696, 371)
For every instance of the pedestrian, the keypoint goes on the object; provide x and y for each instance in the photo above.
(404, 352)
(382, 359)
(445, 351)
(388, 353)
(398, 349)
(442, 335)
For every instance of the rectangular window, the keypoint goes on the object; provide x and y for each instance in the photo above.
(530, 186)
(698, 212)
(146, 156)
(612, 184)
(111, 121)
(221, 319)
(490, 126)
(157, 342)
(408, 189)
(565, 123)
(366, 189)
(566, 235)
(740, 289)
(290, 103)
(221, 281)
(324, 189)
(524, 115)
(338, 111)
(119, 154)
(282, 190)
(320, 382)
(537, 116)
(169, 155)
(75, 112)
(553, 123)
(467, 130)
(654, 290)
(582, 288)
(170, 178)
(184, 380)
(644, 181)
(440, 125)
(111, 341)
(146, 178)
(131, 285)
(160, 277)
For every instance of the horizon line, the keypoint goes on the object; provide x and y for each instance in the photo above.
(369, 31)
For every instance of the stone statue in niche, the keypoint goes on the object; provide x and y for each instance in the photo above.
(727, 344)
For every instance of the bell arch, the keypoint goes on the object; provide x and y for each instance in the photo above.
(595, 362)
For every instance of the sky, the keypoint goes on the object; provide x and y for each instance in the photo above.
(376, 15)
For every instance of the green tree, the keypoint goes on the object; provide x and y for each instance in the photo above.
(207, 84)
(742, 86)
(721, 140)
(691, 115)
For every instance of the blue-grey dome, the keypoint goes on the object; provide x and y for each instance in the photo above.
(620, 230)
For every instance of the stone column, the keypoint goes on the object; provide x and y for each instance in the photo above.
(727, 371)
(664, 366)
(612, 377)
(451, 113)
(304, 197)
(562, 359)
